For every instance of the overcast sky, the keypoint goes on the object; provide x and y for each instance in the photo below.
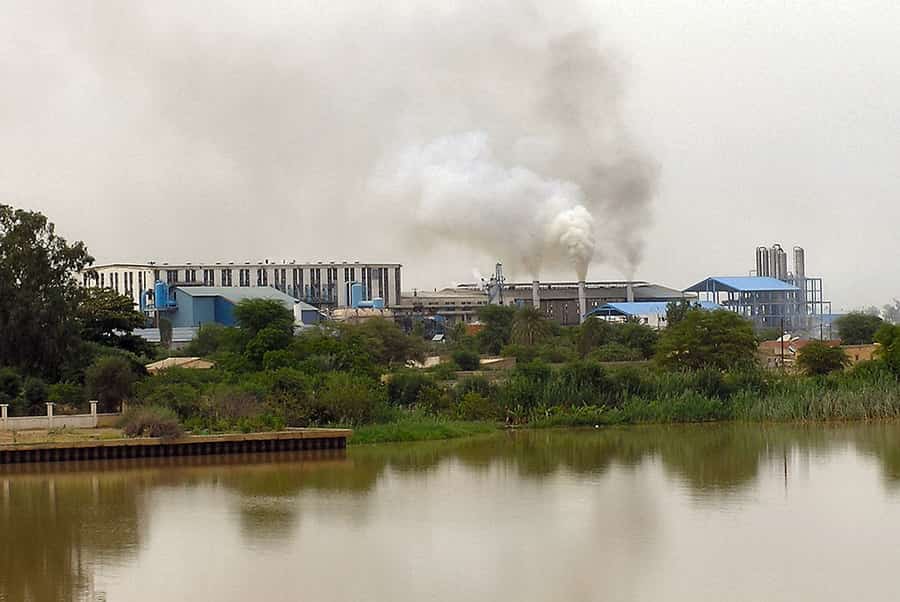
(200, 131)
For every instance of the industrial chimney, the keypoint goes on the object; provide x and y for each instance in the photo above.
(629, 292)
(582, 301)
(536, 294)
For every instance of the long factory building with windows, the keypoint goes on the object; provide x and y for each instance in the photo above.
(323, 284)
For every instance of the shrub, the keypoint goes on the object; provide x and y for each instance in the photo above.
(348, 398)
(151, 421)
(405, 387)
(10, 383)
(819, 358)
(466, 360)
(474, 406)
(615, 352)
(34, 394)
(109, 380)
(67, 394)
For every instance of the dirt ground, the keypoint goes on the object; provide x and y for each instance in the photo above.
(58, 435)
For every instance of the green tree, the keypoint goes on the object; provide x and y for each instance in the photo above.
(109, 380)
(105, 315)
(817, 357)
(466, 359)
(10, 384)
(529, 327)
(719, 339)
(858, 328)
(891, 312)
(497, 327)
(38, 292)
(390, 345)
(35, 395)
(253, 315)
(593, 332)
(888, 337)
(676, 311)
(637, 336)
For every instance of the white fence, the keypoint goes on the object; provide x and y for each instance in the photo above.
(51, 421)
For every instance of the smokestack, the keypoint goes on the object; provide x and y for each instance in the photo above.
(582, 301)
(629, 292)
(536, 294)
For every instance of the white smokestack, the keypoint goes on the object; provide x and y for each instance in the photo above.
(629, 292)
(536, 294)
(582, 301)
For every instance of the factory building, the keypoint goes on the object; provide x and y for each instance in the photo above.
(652, 313)
(773, 296)
(325, 285)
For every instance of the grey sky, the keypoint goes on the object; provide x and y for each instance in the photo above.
(210, 130)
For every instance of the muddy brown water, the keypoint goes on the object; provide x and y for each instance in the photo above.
(718, 512)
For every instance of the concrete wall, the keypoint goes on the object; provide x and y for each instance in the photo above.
(52, 421)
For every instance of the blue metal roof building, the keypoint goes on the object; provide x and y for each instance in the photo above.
(198, 305)
(767, 302)
(740, 284)
(652, 313)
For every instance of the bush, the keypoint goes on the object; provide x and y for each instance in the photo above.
(151, 421)
(67, 394)
(405, 387)
(466, 360)
(818, 357)
(34, 394)
(10, 383)
(109, 380)
(348, 399)
(615, 352)
(475, 406)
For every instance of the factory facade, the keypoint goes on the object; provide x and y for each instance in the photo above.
(325, 285)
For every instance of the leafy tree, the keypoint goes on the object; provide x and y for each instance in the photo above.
(34, 394)
(466, 359)
(817, 357)
(109, 380)
(253, 315)
(708, 339)
(10, 384)
(390, 345)
(529, 327)
(858, 328)
(105, 316)
(891, 312)
(593, 333)
(676, 311)
(266, 340)
(497, 327)
(888, 337)
(639, 337)
(38, 293)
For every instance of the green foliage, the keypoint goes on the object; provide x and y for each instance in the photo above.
(529, 327)
(254, 315)
(109, 380)
(418, 428)
(406, 388)
(104, 315)
(34, 395)
(593, 332)
(676, 311)
(497, 329)
(475, 406)
(639, 337)
(68, 394)
(466, 360)
(719, 339)
(151, 421)
(888, 337)
(817, 357)
(388, 344)
(10, 383)
(615, 352)
(38, 293)
(349, 399)
(212, 338)
(858, 328)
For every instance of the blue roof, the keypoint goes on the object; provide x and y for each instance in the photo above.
(643, 308)
(741, 284)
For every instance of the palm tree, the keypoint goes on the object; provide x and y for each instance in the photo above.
(529, 327)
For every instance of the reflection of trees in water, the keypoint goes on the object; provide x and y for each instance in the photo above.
(53, 530)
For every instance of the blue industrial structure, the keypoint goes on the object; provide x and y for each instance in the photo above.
(193, 306)
(652, 313)
(357, 301)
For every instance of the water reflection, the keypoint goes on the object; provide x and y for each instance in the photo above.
(62, 525)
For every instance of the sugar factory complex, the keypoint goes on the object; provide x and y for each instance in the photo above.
(191, 294)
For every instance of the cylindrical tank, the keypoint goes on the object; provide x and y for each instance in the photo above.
(762, 261)
(773, 260)
(582, 301)
(161, 295)
(356, 294)
(378, 303)
(799, 262)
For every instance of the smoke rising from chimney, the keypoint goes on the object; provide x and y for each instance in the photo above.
(496, 126)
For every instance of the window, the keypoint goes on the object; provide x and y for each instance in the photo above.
(171, 276)
(226, 278)
(190, 275)
(155, 275)
(141, 282)
(262, 277)
(115, 281)
(244, 277)
(102, 280)
(209, 277)
(297, 282)
(281, 279)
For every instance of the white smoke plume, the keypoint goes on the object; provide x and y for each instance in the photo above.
(277, 118)
(461, 192)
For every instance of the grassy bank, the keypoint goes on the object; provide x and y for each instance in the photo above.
(419, 429)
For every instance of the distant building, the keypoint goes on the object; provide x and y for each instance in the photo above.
(194, 306)
(651, 313)
(452, 304)
(325, 285)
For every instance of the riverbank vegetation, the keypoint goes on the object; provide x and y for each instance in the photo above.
(702, 367)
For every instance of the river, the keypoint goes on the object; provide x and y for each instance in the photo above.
(683, 513)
